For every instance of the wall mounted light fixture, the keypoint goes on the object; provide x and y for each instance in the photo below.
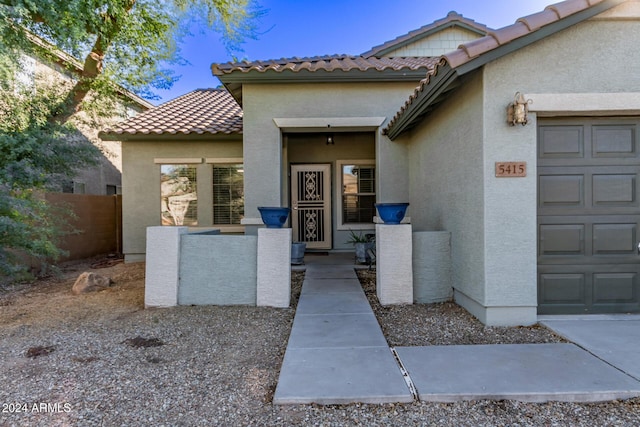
(330, 140)
(517, 110)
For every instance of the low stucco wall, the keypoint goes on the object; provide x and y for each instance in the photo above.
(218, 270)
(207, 268)
(432, 267)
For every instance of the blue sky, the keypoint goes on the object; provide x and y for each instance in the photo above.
(307, 28)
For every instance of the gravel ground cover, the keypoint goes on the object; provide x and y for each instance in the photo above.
(102, 360)
(443, 324)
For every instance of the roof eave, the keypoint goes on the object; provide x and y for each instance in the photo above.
(145, 137)
(439, 84)
(233, 81)
(423, 103)
(322, 76)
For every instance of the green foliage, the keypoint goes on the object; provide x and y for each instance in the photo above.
(29, 228)
(122, 44)
(35, 154)
(133, 41)
(357, 237)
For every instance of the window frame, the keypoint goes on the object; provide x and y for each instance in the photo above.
(224, 228)
(190, 162)
(340, 225)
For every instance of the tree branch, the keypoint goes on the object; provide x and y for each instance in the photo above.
(93, 65)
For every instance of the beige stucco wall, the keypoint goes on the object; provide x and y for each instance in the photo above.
(436, 44)
(265, 173)
(141, 184)
(446, 186)
(495, 277)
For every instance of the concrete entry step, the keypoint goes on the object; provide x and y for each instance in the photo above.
(328, 286)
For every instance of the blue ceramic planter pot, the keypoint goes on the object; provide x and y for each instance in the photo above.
(392, 213)
(274, 217)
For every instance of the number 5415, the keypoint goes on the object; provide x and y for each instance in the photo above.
(511, 169)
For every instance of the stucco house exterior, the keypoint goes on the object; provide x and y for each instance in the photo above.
(542, 217)
(47, 65)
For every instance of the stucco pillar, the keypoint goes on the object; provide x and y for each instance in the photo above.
(274, 267)
(432, 267)
(162, 271)
(394, 274)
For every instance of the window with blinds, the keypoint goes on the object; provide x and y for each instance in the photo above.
(228, 194)
(358, 193)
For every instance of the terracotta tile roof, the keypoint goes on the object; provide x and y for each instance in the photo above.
(521, 27)
(324, 63)
(451, 19)
(203, 111)
(477, 49)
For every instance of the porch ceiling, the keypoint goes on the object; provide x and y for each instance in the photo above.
(328, 124)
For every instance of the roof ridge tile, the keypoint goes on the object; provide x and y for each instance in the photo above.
(569, 7)
(326, 63)
(538, 20)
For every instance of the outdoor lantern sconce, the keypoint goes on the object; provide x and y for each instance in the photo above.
(330, 139)
(517, 110)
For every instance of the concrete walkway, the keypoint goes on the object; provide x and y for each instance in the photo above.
(337, 354)
(336, 351)
(612, 338)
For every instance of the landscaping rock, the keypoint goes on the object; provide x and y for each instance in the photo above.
(90, 282)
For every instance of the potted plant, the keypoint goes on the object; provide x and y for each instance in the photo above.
(392, 213)
(362, 243)
(273, 216)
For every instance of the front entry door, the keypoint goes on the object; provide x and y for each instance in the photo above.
(311, 202)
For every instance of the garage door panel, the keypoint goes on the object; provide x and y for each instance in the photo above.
(561, 142)
(588, 239)
(614, 141)
(615, 291)
(615, 239)
(562, 239)
(561, 191)
(588, 190)
(562, 288)
(588, 216)
(615, 288)
(602, 144)
(614, 190)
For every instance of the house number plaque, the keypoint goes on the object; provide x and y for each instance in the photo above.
(511, 169)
